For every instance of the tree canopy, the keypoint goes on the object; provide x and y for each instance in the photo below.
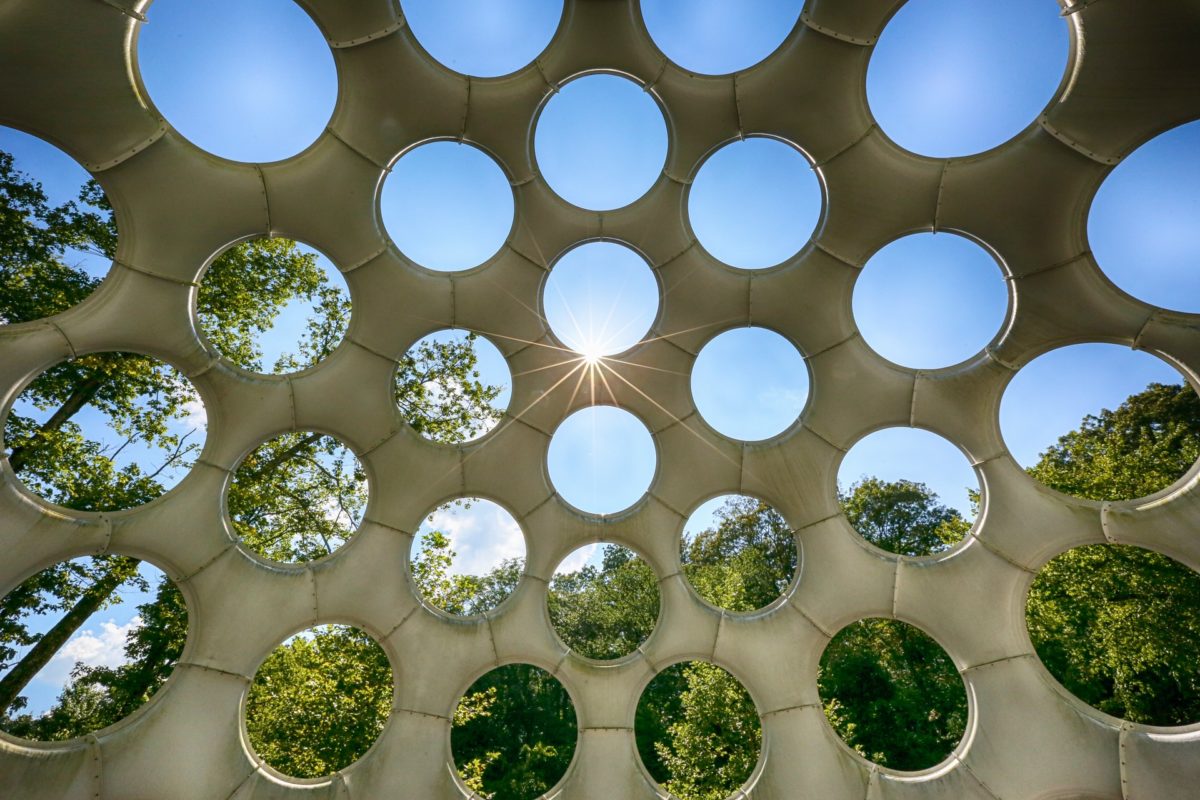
(295, 498)
(1118, 626)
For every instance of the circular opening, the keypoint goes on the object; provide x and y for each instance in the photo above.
(738, 553)
(1101, 422)
(749, 383)
(85, 643)
(951, 79)
(248, 81)
(601, 459)
(908, 491)
(892, 694)
(754, 203)
(1142, 225)
(297, 497)
(603, 601)
(273, 305)
(319, 701)
(483, 38)
(930, 300)
(601, 142)
(513, 733)
(59, 234)
(453, 386)
(601, 299)
(447, 206)
(698, 732)
(467, 556)
(1119, 628)
(105, 431)
(716, 37)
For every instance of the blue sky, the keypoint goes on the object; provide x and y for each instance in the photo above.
(956, 77)
(600, 142)
(953, 293)
(948, 77)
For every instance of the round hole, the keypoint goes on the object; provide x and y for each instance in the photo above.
(483, 38)
(892, 694)
(601, 299)
(908, 491)
(698, 732)
(513, 733)
(750, 383)
(105, 431)
(951, 79)
(603, 601)
(738, 553)
(248, 81)
(1101, 422)
(297, 497)
(717, 37)
(1142, 225)
(930, 300)
(1119, 628)
(319, 701)
(453, 386)
(601, 459)
(60, 237)
(754, 203)
(601, 142)
(123, 625)
(467, 556)
(273, 305)
(447, 206)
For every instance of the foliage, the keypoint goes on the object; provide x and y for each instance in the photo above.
(892, 694)
(1119, 626)
(98, 697)
(707, 740)
(1146, 444)
(608, 611)
(319, 701)
(514, 733)
(297, 503)
(297, 497)
(902, 517)
(746, 561)
(439, 391)
(457, 593)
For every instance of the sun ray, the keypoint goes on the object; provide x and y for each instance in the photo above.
(512, 419)
(681, 422)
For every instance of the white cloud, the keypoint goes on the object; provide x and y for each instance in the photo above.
(578, 559)
(96, 648)
(482, 536)
(197, 416)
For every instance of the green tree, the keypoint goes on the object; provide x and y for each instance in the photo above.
(514, 733)
(698, 731)
(892, 694)
(890, 691)
(319, 701)
(746, 561)
(242, 293)
(607, 611)
(1144, 445)
(457, 593)
(902, 517)
(1119, 626)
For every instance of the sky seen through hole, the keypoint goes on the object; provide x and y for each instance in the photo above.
(274, 87)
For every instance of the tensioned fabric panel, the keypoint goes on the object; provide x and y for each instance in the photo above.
(68, 73)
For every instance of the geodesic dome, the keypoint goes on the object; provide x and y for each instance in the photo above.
(71, 77)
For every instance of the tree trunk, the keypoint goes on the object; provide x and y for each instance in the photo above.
(80, 397)
(52, 640)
